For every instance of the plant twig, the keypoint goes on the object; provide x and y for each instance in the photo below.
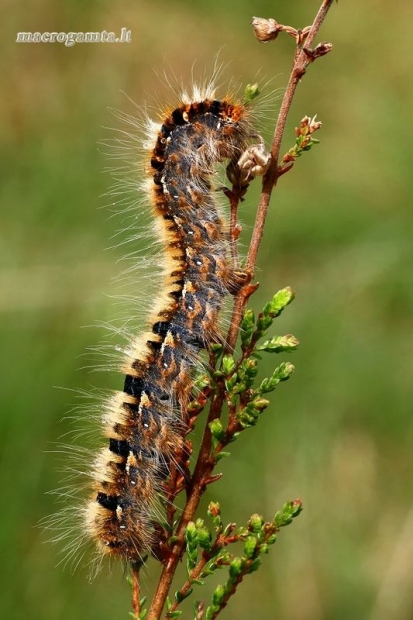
(203, 469)
(301, 61)
(205, 463)
(136, 593)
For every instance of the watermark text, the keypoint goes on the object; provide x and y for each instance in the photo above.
(71, 38)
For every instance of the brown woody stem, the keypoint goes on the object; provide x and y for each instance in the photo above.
(205, 465)
(136, 593)
(301, 62)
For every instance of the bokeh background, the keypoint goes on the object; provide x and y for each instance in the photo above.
(339, 434)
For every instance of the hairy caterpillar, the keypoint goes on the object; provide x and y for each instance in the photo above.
(144, 423)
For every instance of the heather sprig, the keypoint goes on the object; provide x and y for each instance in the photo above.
(228, 397)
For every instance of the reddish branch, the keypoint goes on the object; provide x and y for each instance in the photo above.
(303, 57)
(202, 474)
(136, 593)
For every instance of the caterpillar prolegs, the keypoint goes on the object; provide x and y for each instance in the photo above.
(143, 423)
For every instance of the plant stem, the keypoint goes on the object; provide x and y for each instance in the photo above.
(301, 61)
(205, 464)
(203, 469)
(136, 593)
(195, 574)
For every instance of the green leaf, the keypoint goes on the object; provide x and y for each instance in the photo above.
(222, 455)
(205, 538)
(198, 582)
(247, 327)
(230, 383)
(251, 92)
(191, 534)
(236, 567)
(202, 381)
(250, 546)
(218, 596)
(179, 597)
(289, 511)
(217, 431)
(211, 610)
(255, 523)
(216, 348)
(282, 373)
(248, 416)
(279, 344)
(255, 564)
(228, 364)
(280, 300)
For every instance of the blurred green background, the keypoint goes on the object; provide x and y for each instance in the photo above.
(339, 434)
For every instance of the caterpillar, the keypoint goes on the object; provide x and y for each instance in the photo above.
(144, 424)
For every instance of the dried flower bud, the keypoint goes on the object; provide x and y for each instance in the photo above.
(308, 126)
(265, 29)
(320, 50)
(214, 509)
(253, 162)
